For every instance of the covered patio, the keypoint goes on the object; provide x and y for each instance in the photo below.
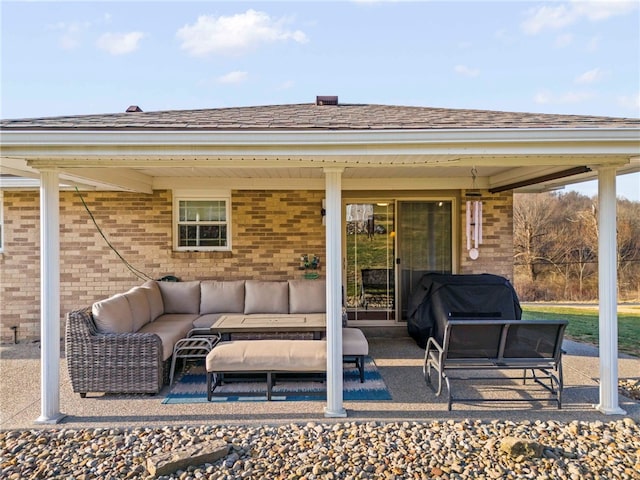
(397, 357)
(331, 148)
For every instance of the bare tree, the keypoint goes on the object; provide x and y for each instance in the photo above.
(556, 246)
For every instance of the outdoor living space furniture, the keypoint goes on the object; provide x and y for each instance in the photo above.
(268, 357)
(194, 347)
(354, 344)
(237, 326)
(469, 345)
(355, 348)
(124, 344)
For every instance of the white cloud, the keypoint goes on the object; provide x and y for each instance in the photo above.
(555, 17)
(466, 71)
(542, 97)
(72, 33)
(233, 77)
(503, 36)
(541, 18)
(593, 44)
(237, 34)
(575, 97)
(601, 10)
(590, 76)
(631, 103)
(564, 40)
(119, 43)
(286, 85)
(545, 97)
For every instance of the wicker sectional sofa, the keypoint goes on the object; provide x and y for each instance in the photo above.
(123, 344)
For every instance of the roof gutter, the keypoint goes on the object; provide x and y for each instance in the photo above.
(109, 142)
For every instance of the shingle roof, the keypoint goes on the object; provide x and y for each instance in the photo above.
(314, 117)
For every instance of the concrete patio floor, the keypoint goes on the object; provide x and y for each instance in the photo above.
(398, 358)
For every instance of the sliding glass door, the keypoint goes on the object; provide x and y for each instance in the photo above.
(370, 260)
(388, 246)
(424, 243)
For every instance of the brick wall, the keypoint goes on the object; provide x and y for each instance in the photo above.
(496, 252)
(270, 231)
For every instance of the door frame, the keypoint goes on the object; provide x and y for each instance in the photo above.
(396, 198)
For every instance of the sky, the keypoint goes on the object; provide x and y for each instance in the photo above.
(85, 57)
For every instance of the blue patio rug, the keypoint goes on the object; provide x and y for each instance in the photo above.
(191, 387)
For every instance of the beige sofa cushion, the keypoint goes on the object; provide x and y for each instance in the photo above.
(307, 296)
(139, 306)
(268, 355)
(221, 297)
(156, 307)
(170, 328)
(113, 315)
(266, 297)
(354, 342)
(180, 297)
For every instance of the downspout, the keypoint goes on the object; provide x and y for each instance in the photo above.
(333, 192)
(608, 292)
(49, 298)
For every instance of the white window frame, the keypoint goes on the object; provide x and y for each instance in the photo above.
(208, 195)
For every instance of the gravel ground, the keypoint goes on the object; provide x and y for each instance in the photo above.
(630, 387)
(464, 449)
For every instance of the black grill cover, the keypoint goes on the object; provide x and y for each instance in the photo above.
(438, 297)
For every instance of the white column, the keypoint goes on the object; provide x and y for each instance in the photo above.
(608, 292)
(49, 298)
(333, 186)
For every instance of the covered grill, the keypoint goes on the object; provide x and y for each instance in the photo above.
(438, 297)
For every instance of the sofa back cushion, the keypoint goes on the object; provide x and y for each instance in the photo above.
(113, 315)
(154, 297)
(139, 306)
(180, 297)
(307, 296)
(221, 297)
(266, 297)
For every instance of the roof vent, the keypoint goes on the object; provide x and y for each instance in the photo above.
(326, 100)
(133, 108)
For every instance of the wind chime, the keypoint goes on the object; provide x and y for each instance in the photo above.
(474, 218)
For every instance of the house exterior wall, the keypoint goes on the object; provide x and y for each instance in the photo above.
(270, 231)
(496, 251)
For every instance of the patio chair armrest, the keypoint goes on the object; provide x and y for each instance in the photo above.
(111, 362)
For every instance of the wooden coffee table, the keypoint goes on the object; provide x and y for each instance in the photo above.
(270, 323)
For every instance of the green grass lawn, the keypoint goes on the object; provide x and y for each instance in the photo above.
(583, 325)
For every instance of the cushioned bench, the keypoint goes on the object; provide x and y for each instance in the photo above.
(498, 345)
(264, 357)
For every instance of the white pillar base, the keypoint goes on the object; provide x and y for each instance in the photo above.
(50, 421)
(610, 411)
(339, 414)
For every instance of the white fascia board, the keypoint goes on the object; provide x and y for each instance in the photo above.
(17, 166)
(50, 144)
(19, 183)
(519, 174)
(111, 179)
(190, 184)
